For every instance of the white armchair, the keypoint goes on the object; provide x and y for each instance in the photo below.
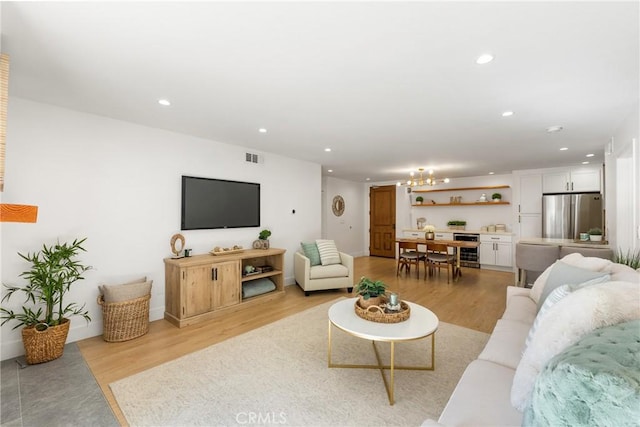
(320, 277)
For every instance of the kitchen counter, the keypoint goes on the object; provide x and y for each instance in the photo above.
(564, 242)
(448, 230)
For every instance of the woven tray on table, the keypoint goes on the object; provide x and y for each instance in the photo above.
(125, 320)
(376, 313)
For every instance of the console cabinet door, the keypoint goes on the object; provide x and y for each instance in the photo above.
(226, 288)
(198, 290)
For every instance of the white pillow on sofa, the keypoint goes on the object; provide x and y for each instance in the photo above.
(566, 322)
(575, 260)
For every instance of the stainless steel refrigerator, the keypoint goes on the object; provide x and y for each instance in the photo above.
(565, 216)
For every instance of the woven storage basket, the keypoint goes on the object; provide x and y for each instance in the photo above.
(376, 313)
(43, 346)
(125, 320)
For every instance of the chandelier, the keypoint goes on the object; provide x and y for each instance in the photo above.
(420, 180)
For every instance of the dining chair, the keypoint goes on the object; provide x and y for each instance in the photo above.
(409, 255)
(438, 256)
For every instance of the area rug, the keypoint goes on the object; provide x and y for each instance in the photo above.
(278, 374)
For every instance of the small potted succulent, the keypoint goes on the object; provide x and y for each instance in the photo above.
(595, 234)
(370, 292)
(496, 197)
(263, 238)
(419, 200)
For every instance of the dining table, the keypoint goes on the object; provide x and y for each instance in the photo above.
(455, 244)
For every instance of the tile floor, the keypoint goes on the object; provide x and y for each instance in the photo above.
(62, 392)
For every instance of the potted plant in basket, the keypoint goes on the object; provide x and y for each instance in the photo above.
(370, 292)
(46, 319)
(419, 200)
(595, 234)
(496, 197)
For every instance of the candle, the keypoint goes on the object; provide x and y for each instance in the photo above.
(393, 299)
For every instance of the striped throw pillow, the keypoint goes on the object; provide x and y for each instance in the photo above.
(328, 252)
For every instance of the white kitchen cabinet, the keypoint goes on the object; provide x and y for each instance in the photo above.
(413, 234)
(529, 225)
(572, 180)
(496, 250)
(529, 194)
(444, 236)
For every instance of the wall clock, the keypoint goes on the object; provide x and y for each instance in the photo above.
(338, 206)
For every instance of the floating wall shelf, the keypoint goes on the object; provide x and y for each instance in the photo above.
(494, 187)
(427, 205)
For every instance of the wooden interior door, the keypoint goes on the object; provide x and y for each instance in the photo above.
(382, 221)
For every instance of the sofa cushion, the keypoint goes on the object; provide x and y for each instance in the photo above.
(328, 271)
(623, 273)
(328, 252)
(576, 260)
(481, 398)
(506, 344)
(565, 274)
(569, 320)
(520, 308)
(311, 251)
(594, 382)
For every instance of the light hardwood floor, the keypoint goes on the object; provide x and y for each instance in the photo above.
(476, 301)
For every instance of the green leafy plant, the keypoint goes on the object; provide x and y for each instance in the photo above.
(595, 232)
(496, 196)
(420, 199)
(53, 270)
(264, 234)
(630, 258)
(456, 222)
(368, 288)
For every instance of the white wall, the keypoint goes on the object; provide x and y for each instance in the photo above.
(118, 184)
(622, 182)
(348, 229)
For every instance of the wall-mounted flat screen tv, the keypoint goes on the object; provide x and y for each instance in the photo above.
(217, 203)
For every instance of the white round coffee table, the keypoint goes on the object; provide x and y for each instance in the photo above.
(421, 323)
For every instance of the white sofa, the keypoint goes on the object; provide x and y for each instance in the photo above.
(321, 277)
(484, 395)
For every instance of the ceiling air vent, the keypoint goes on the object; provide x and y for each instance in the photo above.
(251, 158)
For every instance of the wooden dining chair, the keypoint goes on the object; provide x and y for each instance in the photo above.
(438, 256)
(409, 255)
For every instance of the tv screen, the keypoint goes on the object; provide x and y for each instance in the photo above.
(216, 203)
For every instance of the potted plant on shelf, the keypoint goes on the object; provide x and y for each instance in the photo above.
(496, 197)
(595, 234)
(370, 292)
(264, 238)
(46, 319)
(419, 200)
(457, 224)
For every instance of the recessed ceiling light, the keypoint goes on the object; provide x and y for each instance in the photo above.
(564, 149)
(330, 170)
(590, 155)
(484, 59)
(585, 163)
(554, 129)
(262, 130)
(367, 179)
(491, 173)
(507, 114)
(327, 149)
(164, 102)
